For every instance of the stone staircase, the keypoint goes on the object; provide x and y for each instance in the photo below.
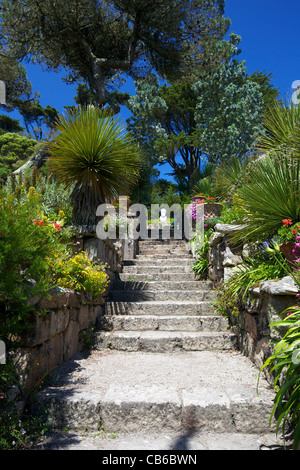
(164, 365)
(159, 306)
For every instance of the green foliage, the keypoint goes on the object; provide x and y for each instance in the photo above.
(80, 274)
(35, 256)
(25, 261)
(14, 151)
(229, 175)
(20, 432)
(284, 364)
(7, 124)
(260, 265)
(271, 196)
(201, 265)
(282, 130)
(229, 112)
(269, 92)
(88, 148)
(111, 37)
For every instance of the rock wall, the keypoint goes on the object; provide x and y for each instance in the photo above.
(60, 329)
(250, 318)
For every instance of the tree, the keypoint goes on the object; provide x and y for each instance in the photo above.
(89, 149)
(36, 117)
(95, 41)
(187, 124)
(20, 97)
(229, 112)
(7, 124)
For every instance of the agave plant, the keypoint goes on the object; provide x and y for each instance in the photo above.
(271, 195)
(90, 148)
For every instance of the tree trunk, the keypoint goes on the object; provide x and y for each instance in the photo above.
(85, 204)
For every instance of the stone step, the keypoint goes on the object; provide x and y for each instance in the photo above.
(159, 262)
(172, 295)
(158, 286)
(146, 392)
(163, 256)
(158, 277)
(163, 249)
(183, 308)
(144, 269)
(162, 323)
(160, 242)
(164, 341)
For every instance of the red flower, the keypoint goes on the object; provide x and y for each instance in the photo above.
(287, 222)
(294, 231)
(57, 226)
(41, 223)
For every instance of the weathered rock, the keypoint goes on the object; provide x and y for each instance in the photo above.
(284, 286)
(227, 229)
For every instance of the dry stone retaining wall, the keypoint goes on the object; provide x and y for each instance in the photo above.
(251, 317)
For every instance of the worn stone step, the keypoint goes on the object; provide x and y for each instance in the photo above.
(135, 392)
(130, 295)
(160, 308)
(163, 250)
(158, 276)
(161, 269)
(162, 323)
(164, 256)
(160, 242)
(164, 341)
(159, 261)
(162, 285)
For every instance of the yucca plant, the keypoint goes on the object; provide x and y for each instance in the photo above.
(282, 130)
(89, 148)
(271, 195)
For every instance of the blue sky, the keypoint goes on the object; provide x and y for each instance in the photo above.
(270, 42)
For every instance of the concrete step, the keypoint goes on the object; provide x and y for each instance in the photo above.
(162, 323)
(164, 341)
(146, 392)
(159, 285)
(158, 277)
(160, 308)
(172, 295)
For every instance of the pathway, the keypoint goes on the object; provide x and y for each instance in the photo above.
(164, 374)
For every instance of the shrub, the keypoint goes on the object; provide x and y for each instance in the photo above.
(14, 151)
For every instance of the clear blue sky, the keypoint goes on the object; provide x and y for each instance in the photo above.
(270, 42)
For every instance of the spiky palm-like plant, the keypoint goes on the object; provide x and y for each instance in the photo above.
(271, 195)
(90, 148)
(282, 126)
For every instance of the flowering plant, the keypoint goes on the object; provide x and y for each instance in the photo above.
(80, 274)
(288, 231)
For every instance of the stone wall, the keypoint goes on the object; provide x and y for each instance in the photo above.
(60, 329)
(251, 317)
(62, 325)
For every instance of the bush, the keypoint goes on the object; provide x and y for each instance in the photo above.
(14, 151)
(35, 256)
